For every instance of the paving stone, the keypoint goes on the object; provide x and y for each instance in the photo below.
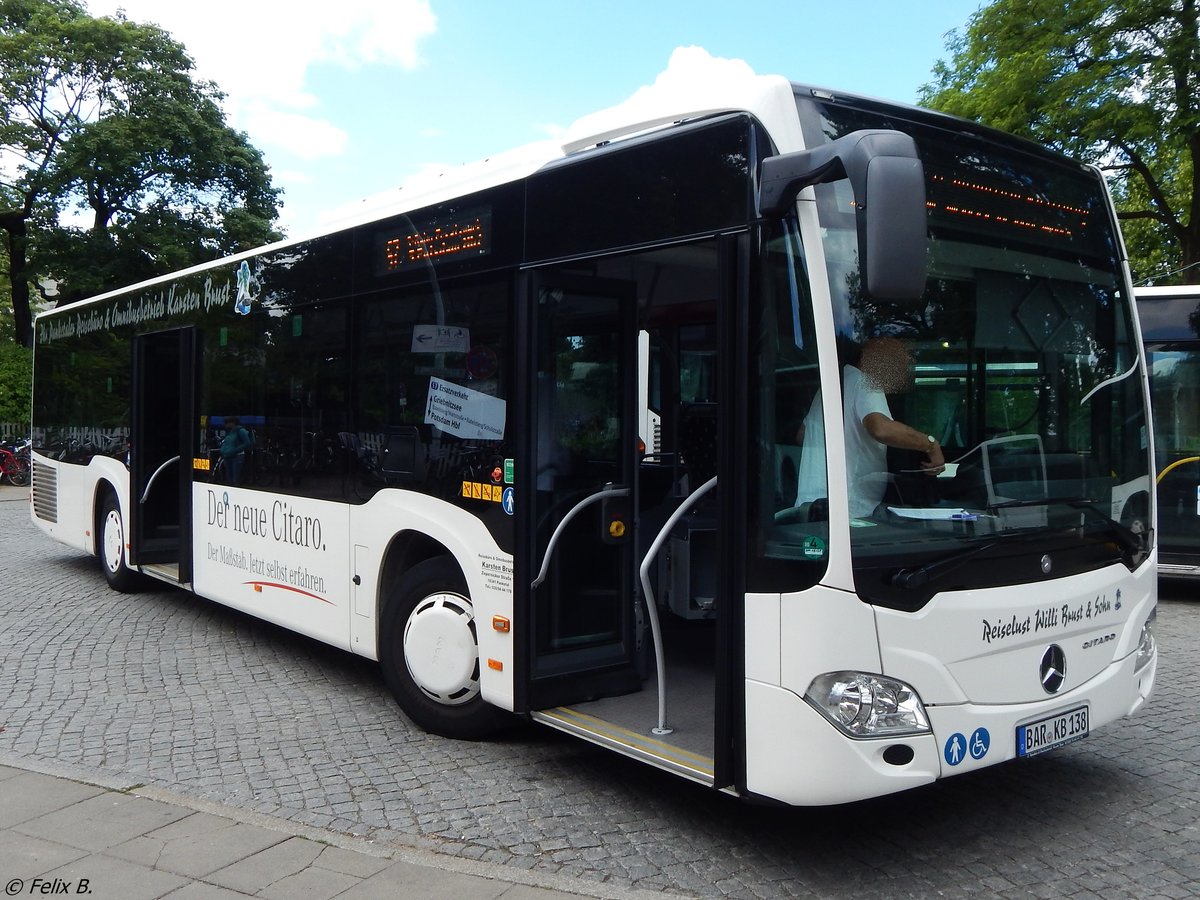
(265, 868)
(109, 876)
(104, 821)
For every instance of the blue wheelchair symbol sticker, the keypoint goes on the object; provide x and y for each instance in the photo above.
(956, 748)
(979, 744)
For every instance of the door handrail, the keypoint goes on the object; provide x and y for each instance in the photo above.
(660, 663)
(608, 491)
(157, 472)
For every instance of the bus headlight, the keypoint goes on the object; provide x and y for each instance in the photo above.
(864, 705)
(1145, 650)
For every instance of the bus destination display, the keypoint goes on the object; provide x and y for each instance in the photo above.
(434, 239)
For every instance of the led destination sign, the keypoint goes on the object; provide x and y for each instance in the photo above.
(433, 239)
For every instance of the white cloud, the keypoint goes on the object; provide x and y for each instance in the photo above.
(694, 67)
(259, 52)
(691, 73)
(303, 136)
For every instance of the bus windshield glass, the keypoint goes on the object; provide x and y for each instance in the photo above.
(1019, 363)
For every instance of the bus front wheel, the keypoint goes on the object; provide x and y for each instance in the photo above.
(430, 653)
(111, 547)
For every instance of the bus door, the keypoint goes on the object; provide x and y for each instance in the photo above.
(620, 539)
(579, 528)
(163, 418)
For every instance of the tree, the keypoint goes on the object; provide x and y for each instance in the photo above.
(16, 380)
(103, 116)
(1111, 82)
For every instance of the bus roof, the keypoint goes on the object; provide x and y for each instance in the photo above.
(666, 103)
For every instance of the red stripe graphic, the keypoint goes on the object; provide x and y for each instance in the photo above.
(288, 587)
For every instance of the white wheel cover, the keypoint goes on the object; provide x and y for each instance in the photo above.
(440, 649)
(113, 541)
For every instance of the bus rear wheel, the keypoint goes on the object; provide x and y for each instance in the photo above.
(111, 547)
(430, 653)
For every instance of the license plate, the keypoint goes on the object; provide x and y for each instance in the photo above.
(1051, 732)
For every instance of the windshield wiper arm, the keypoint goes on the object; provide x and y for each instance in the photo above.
(1039, 501)
(1125, 537)
(918, 577)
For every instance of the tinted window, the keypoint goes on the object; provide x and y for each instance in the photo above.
(694, 182)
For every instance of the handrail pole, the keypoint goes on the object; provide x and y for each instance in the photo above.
(660, 663)
(157, 472)
(575, 510)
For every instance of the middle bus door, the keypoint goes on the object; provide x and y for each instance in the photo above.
(582, 383)
(161, 453)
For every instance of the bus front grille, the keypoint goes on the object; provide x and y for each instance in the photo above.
(45, 492)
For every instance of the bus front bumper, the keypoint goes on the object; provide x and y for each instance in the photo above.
(796, 756)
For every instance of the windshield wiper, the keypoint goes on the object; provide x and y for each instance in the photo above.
(1126, 538)
(918, 577)
(1039, 501)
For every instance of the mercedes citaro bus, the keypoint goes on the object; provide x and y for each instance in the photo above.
(544, 437)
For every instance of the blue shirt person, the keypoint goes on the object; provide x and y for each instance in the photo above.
(234, 445)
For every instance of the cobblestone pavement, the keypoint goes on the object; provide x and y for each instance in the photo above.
(182, 694)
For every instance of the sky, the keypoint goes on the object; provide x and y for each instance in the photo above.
(349, 99)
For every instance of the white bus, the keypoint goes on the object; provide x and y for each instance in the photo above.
(545, 443)
(1170, 319)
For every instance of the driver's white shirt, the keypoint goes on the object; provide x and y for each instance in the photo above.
(866, 458)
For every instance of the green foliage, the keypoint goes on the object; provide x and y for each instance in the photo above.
(103, 118)
(16, 382)
(1114, 83)
(15, 360)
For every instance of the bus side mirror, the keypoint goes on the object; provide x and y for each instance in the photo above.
(889, 198)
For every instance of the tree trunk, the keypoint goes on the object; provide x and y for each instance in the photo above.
(13, 225)
(1190, 244)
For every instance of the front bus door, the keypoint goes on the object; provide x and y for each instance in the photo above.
(607, 353)
(161, 453)
(583, 378)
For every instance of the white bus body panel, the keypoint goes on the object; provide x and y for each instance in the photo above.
(280, 558)
(75, 488)
(292, 561)
(795, 756)
(487, 569)
(986, 646)
(966, 682)
(793, 638)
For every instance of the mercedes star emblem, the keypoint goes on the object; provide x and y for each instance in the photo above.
(1053, 669)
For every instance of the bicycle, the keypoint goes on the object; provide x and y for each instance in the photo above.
(14, 464)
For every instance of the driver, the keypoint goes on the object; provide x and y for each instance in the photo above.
(885, 367)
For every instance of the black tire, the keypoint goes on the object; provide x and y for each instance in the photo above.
(443, 696)
(18, 474)
(110, 547)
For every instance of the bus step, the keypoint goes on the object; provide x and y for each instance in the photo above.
(168, 572)
(630, 743)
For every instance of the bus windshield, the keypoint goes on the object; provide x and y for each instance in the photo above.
(1020, 362)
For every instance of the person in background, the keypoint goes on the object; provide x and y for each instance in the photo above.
(234, 445)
